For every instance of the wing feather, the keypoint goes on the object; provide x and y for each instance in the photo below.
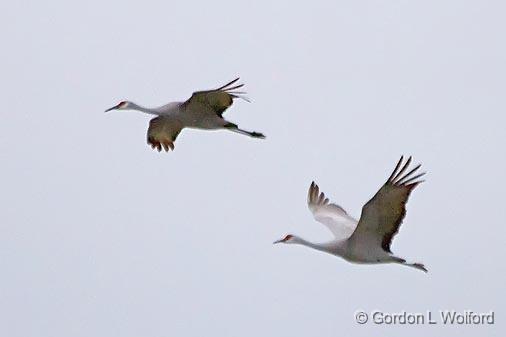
(218, 100)
(382, 215)
(333, 216)
(162, 132)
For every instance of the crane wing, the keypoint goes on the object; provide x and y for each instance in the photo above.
(217, 99)
(382, 215)
(331, 215)
(162, 132)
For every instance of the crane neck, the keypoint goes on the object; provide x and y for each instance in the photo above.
(335, 247)
(324, 247)
(134, 106)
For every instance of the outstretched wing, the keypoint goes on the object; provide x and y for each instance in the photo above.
(331, 215)
(217, 99)
(383, 214)
(162, 132)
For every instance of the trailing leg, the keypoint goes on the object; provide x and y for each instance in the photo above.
(234, 128)
(417, 265)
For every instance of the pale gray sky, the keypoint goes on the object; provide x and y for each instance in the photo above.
(101, 236)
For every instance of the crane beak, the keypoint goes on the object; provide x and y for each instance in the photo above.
(113, 108)
(277, 241)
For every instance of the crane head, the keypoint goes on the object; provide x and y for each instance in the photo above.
(287, 239)
(120, 106)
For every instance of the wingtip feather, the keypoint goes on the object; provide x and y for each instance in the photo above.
(402, 180)
(410, 180)
(404, 167)
(229, 83)
(394, 172)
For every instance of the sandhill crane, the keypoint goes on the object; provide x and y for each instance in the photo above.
(367, 240)
(203, 110)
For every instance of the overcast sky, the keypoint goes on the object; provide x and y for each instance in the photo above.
(102, 236)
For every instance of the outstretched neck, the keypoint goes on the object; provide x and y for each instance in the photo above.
(134, 106)
(334, 247)
(324, 247)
